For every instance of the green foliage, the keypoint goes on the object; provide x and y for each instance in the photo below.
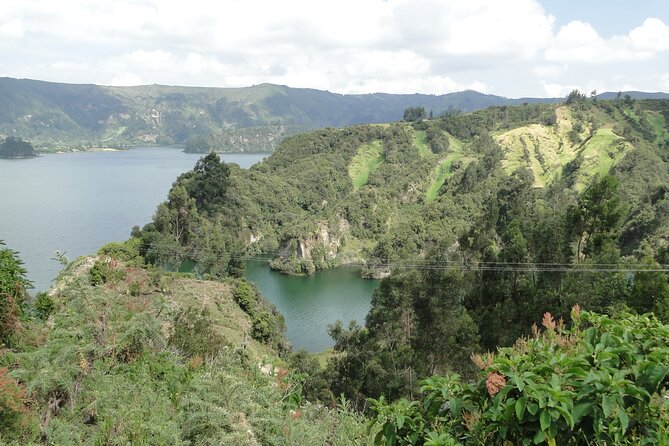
(601, 381)
(597, 216)
(311, 377)
(13, 147)
(13, 295)
(208, 182)
(267, 324)
(104, 271)
(366, 161)
(414, 114)
(194, 334)
(391, 353)
(113, 368)
(43, 306)
(127, 251)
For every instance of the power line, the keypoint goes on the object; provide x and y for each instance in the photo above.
(446, 265)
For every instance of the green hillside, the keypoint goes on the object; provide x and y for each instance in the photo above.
(485, 226)
(57, 116)
(375, 193)
(118, 354)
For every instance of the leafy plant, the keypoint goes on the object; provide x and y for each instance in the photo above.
(43, 306)
(13, 285)
(105, 270)
(601, 381)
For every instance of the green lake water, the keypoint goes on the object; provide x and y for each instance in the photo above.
(311, 303)
(77, 202)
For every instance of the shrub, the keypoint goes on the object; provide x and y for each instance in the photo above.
(194, 333)
(600, 382)
(43, 306)
(127, 251)
(105, 271)
(245, 296)
(12, 401)
(13, 284)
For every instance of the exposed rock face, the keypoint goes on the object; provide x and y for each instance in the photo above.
(310, 252)
(304, 247)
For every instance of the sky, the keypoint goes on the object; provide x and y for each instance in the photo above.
(512, 48)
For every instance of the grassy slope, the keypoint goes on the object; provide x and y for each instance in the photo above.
(444, 168)
(603, 151)
(659, 125)
(102, 370)
(366, 161)
(420, 142)
(546, 150)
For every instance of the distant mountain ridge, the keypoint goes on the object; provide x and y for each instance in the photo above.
(65, 116)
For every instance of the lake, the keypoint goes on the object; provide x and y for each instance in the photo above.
(77, 202)
(311, 303)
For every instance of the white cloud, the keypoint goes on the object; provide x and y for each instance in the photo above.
(125, 80)
(579, 42)
(397, 46)
(555, 90)
(12, 29)
(545, 71)
(512, 29)
(664, 81)
(653, 35)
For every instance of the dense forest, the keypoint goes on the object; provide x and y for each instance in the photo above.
(538, 233)
(12, 147)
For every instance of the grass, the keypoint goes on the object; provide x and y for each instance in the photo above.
(444, 169)
(542, 149)
(604, 150)
(366, 161)
(537, 147)
(658, 123)
(420, 142)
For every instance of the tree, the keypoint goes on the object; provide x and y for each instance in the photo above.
(16, 148)
(575, 96)
(596, 217)
(208, 182)
(412, 114)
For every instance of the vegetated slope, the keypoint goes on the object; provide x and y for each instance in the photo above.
(381, 194)
(64, 116)
(513, 213)
(118, 354)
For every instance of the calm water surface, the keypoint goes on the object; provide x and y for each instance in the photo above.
(311, 303)
(77, 202)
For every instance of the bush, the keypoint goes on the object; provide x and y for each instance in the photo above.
(194, 333)
(245, 296)
(12, 401)
(43, 306)
(600, 382)
(127, 251)
(105, 271)
(13, 284)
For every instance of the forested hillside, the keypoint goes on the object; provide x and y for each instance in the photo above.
(484, 223)
(57, 116)
(16, 148)
(66, 116)
(466, 184)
